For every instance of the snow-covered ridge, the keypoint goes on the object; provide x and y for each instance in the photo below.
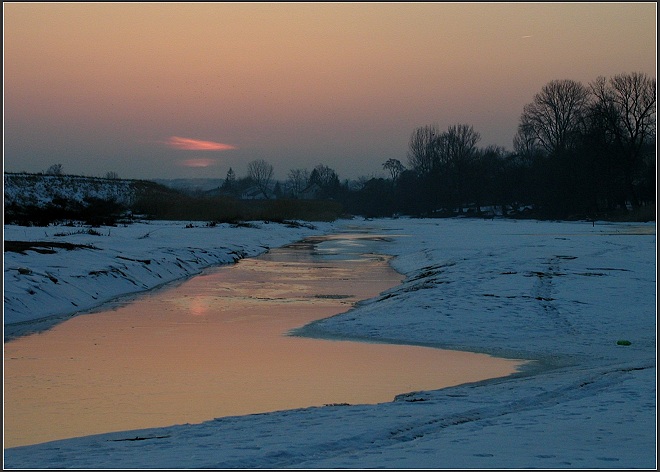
(40, 190)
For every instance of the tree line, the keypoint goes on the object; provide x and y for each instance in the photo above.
(580, 151)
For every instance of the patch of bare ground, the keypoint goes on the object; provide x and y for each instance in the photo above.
(45, 247)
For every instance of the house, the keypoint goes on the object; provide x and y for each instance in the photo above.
(311, 192)
(255, 193)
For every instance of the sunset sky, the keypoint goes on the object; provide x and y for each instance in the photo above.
(167, 90)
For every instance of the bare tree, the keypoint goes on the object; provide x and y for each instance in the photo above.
(626, 106)
(394, 167)
(55, 169)
(361, 182)
(298, 180)
(555, 117)
(459, 144)
(230, 178)
(261, 173)
(628, 102)
(324, 176)
(422, 149)
(461, 141)
(327, 180)
(525, 145)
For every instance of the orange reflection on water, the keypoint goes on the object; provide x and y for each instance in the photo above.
(215, 346)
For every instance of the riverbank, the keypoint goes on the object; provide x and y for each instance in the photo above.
(54, 272)
(563, 293)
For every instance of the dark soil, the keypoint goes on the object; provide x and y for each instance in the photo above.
(42, 247)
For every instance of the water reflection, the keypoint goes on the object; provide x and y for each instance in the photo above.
(215, 346)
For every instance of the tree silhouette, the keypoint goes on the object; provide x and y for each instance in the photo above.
(626, 108)
(261, 173)
(394, 167)
(422, 149)
(326, 178)
(55, 169)
(298, 180)
(554, 118)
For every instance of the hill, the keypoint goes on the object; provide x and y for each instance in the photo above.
(40, 199)
(191, 185)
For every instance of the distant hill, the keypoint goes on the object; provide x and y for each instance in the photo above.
(43, 198)
(41, 190)
(191, 185)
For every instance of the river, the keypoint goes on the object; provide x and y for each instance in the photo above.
(217, 345)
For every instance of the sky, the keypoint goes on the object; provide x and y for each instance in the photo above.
(182, 90)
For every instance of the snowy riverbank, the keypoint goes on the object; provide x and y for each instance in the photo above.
(84, 267)
(560, 293)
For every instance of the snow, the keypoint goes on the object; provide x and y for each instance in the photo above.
(122, 260)
(559, 293)
(40, 190)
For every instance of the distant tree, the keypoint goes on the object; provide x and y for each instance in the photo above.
(229, 185)
(459, 148)
(99, 211)
(298, 179)
(554, 119)
(326, 178)
(261, 173)
(460, 143)
(394, 167)
(412, 195)
(323, 176)
(55, 169)
(422, 149)
(555, 123)
(112, 175)
(241, 185)
(361, 182)
(277, 191)
(487, 185)
(525, 144)
(374, 199)
(625, 109)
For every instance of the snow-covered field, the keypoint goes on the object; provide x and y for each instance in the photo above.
(40, 190)
(563, 294)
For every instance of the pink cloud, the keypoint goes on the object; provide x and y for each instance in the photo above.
(198, 162)
(189, 144)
